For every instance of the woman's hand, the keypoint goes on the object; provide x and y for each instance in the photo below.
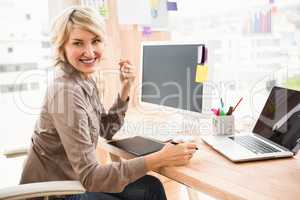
(171, 155)
(128, 72)
(127, 76)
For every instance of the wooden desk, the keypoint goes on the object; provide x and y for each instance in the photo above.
(211, 173)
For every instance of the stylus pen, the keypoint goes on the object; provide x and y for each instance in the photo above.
(175, 143)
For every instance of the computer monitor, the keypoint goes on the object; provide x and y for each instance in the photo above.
(168, 77)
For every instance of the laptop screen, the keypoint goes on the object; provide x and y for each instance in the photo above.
(279, 120)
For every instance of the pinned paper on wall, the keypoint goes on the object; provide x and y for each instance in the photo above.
(171, 6)
(159, 15)
(103, 9)
(133, 12)
(147, 31)
(101, 5)
(154, 3)
(201, 73)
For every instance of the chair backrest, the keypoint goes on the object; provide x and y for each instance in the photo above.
(43, 189)
(40, 189)
(15, 151)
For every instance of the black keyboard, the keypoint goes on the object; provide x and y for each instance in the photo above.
(253, 144)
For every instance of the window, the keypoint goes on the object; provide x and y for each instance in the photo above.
(13, 87)
(22, 64)
(28, 16)
(46, 44)
(18, 67)
(34, 86)
(10, 49)
(252, 45)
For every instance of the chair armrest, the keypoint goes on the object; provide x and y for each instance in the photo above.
(41, 189)
(15, 151)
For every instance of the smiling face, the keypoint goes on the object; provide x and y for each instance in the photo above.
(83, 50)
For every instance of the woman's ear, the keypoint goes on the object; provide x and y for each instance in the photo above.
(63, 55)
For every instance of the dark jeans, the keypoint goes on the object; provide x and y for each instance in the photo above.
(145, 188)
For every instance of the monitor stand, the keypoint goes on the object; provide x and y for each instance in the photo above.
(191, 123)
(164, 123)
(169, 125)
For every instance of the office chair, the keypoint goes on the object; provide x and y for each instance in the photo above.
(40, 189)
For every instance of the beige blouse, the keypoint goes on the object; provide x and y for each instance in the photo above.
(66, 136)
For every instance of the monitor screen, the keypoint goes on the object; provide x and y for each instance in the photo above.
(279, 120)
(168, 75)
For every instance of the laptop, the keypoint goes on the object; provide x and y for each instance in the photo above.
(276, 133)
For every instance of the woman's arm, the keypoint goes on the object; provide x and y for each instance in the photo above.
(125, 89)
(112, 121)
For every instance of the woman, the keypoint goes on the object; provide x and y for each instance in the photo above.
(72, 118)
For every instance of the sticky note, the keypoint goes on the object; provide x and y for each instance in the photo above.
(146, 31)
(201, 73)
(171, 6)
(154, 3)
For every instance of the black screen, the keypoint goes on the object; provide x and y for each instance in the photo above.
(169, 76)
(279, 120)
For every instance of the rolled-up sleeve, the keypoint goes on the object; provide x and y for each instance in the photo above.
(70, 119)
(112, 121)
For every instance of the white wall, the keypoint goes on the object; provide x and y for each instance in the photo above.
(55, 6)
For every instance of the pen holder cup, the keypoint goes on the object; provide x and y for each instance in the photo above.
(223, 125)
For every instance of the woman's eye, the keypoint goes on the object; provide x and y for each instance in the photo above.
(77, 44)
(96, 41)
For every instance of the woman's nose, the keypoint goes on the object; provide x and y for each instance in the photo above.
(89, 51)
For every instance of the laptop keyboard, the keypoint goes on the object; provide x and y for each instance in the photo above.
(253, 144)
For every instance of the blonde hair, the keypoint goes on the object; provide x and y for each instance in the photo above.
(84, 17)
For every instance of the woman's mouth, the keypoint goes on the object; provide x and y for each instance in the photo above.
(88, 61)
